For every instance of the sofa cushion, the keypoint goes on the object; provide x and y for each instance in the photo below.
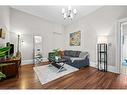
(77, 53)
(67, 52)
(72, 53)
(83, 54)
(74, 58)
(67, 58)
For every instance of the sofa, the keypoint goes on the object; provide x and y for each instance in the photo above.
(73, 58)
(76, 59)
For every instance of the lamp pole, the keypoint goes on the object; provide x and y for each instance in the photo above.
(18, 44)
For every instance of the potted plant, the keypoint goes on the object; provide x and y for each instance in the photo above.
(56, 53)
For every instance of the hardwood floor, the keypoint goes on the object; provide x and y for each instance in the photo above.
(85, 78)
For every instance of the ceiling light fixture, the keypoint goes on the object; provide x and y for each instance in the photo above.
(69, 12)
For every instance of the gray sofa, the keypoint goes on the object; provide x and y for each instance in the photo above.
(76, 59)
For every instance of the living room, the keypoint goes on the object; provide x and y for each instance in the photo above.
(77, 36)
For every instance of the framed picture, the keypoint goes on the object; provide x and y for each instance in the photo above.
(75, 38)
(2, 33)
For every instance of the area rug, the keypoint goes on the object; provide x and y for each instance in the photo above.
(48, 73)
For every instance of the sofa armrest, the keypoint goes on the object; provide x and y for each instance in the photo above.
(81, 63)
(76, 59)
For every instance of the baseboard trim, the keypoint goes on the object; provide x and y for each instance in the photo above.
(26, 62)
(31, 61)
(110, 68)
(93, 64)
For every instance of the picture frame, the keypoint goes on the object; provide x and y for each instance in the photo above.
(75, 38)
(2, 33)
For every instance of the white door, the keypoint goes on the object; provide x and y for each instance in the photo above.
(26, 42)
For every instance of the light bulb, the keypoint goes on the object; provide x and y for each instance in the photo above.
(69, 13)
(69, 7)
(63, 10)
(75, 11)
(71, 16)
(65, 15)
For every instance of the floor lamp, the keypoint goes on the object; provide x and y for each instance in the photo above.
(17, 53)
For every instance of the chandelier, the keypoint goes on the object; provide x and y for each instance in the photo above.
(69, 12)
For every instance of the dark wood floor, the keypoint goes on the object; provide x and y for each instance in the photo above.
(85, 78)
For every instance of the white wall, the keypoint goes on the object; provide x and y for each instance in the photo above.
(5, 22)
(31, 25)
(101, 22)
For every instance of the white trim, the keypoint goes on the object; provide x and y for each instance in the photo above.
(113, 69)
(118, 43)
(31, 61)
(110, 68)
(93, 64)
(26, 62)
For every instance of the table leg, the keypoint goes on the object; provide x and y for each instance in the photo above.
(59, 70)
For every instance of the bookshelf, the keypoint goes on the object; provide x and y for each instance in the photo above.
(102, 56)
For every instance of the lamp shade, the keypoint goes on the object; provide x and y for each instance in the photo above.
(102, 39)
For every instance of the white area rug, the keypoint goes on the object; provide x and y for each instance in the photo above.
(47, 74)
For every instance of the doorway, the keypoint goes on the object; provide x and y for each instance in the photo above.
(123, 65)
(38, 58)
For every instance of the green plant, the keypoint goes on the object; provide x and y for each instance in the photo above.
(2, 54)
(2, 75)
(3, 51)
(56, 52)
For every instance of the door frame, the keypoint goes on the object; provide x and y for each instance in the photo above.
(118, 44)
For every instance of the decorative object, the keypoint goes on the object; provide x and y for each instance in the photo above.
(2, 33)
(69, 12)
(75, 38)
(102, 53)
(47, 74)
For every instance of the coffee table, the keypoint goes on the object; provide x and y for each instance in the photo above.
(57, 64)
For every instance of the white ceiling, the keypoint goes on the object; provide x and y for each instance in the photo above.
(53, 13)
